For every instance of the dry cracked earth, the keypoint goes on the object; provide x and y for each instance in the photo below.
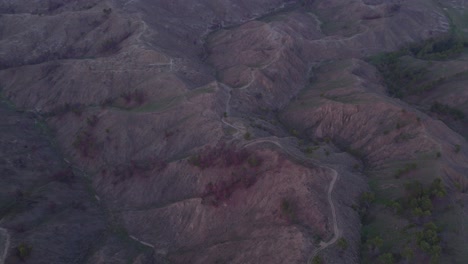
(233, 131)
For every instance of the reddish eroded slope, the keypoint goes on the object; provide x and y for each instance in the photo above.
(133, 128)
(48, 213)
(255, 207)
(397, 143)
(267, 62)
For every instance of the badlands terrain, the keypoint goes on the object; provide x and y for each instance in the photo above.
(233, 131)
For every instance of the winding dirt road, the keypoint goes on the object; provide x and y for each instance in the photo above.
(4, 244)
(291, 151)
(336, 231)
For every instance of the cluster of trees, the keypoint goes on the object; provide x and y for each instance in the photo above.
(365, 201)
(438, 48)
(419, 200)
(399, 78)
(444, 109)
(374, 245)
(417, 205)
(428, 241)
(402, 79)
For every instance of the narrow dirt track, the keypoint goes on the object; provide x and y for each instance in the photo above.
(336, 230)
(4, 244)
(335, 176)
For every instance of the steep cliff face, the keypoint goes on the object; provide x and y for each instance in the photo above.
(216, 131)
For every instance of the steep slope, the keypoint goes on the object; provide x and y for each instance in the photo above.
(215, 131)
(49, 213)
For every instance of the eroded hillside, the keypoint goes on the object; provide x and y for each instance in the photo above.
(234, 131)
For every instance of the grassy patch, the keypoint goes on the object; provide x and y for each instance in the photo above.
(159, 106)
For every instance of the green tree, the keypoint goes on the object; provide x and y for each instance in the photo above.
(386, 258)
(342, 243)
(374, 244)
(317, 260)
(437, 188)
(23, 251)
(408, 254)
(367, 198)
(429, 241)
(426, 203)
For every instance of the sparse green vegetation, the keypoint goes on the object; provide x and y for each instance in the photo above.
(460, 185)
(398, 78)
(85, 143)
(92, 120)
(75, 108)
(416, 208)
(457, 148)
(374, 244)
(419, 200)
(444, 109)
(253, 161)
(107, 11)
(194, 160)
(386, 258)
(429, 241)
(404, 137)
(398, 125)
(310, 150)
(247, 136)
(317, 260)
(342, 243)
(356, 166)
(438, 48)
(137, 96)
(402, 79)
(110, 45)
(288, 209)
(355, 153)
(23, 251)
(367, 197)
(407, 254)
(365, 201)
(294, 132)
(407, 168)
